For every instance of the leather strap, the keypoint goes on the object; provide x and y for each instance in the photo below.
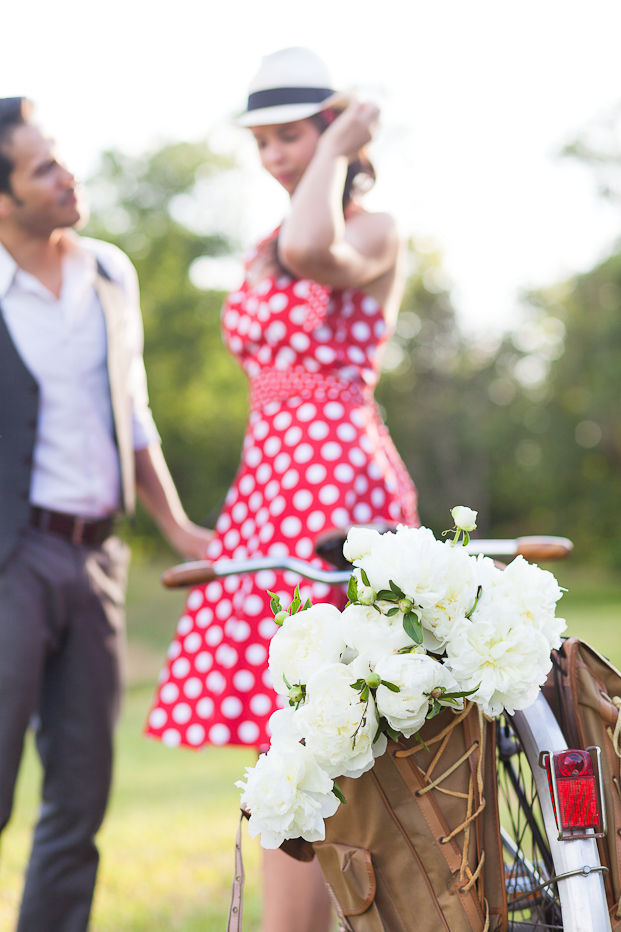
(234, 922)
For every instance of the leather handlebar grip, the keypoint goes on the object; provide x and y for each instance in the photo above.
(188, 574)
(540, 549)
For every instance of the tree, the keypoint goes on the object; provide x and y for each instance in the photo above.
(198, 394)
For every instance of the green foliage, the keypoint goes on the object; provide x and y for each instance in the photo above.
(198, 394)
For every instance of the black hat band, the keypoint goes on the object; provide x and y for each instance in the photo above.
(277, 96)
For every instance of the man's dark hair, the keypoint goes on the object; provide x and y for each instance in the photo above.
(14, 111)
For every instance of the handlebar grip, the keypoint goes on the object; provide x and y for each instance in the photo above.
(540, 549)
(188, 574)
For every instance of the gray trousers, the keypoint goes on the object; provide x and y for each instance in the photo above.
(61, 646)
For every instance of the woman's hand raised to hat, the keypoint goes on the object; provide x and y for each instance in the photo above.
(353, 128)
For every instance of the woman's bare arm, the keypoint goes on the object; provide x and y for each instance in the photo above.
(315, 242)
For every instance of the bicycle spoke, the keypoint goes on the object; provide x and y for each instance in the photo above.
(527, 859)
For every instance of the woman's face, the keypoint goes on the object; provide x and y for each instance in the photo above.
(286, 149)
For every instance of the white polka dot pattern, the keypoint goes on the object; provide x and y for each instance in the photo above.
(316, 456)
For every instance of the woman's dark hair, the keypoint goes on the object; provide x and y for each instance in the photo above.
(14, 111)
(360, 173)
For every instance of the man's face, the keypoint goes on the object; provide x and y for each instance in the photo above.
(43, 196)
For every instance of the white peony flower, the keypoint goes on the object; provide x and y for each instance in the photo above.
(371, 633)
(415, 675)
(338, 728)
(508, 662)
(531, 594)
(282, 728)
(359, 543)
(413, 559)
(457, 599)
(464, 518)
(306, 642)
(288, 795)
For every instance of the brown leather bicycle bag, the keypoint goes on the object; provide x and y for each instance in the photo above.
(417, 846)
(584, 690)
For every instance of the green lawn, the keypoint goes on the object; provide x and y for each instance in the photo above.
(167, 844)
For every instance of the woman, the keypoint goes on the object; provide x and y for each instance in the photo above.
(319, 299)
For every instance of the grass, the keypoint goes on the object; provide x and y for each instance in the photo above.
(167, 843)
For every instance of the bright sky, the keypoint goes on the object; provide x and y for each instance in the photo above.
(478, 97)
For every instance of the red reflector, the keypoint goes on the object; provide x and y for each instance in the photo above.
(577, 800)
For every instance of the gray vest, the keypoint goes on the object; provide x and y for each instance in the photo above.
(19, 407)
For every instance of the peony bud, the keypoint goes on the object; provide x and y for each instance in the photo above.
(465, 518)
(405, 605)
(373, 681)
(281, 617)
(366, 595)
(436, 693)
(296, 693)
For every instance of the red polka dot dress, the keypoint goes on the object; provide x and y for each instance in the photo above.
(316, 456)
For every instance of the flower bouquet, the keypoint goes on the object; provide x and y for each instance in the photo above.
(427, 626)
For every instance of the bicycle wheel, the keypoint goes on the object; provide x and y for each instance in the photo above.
(533, 855)
(527, 858)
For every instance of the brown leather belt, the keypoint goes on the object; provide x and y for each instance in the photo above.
(86, 532)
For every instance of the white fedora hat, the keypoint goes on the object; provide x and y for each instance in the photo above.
(291, 84)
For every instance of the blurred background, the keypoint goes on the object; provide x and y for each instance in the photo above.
(500, 154)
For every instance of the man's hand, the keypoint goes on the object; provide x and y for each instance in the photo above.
(158, 494)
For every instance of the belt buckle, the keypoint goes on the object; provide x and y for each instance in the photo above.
(77, 533)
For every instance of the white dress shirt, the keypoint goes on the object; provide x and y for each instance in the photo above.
(62, 341)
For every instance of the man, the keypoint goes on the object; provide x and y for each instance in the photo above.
(76, 439)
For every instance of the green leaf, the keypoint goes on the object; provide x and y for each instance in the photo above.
(395, 588)
(358, 684)
(274, 603)
(352, 589)
(395, 735)
(391, 686)
(388, 595)
(364, 695)
(296, 602)
(287, 684)
(413, 627)
(307, 604)
(365, 578)
(392, 611)
(466, 692)
(466, 538)
(338, 792)
(434, 709)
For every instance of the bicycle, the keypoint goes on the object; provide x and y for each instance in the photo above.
(551, 883)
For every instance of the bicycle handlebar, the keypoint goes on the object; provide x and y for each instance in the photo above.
(534, 549)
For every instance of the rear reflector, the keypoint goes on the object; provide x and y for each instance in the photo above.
(576, 791)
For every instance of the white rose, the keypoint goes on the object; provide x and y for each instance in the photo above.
(288, 795)
(508, 663)
(359, 543)
(464, 518)
(306, 642)
(369, 632)
(415, 675)
(413, 559)
(531, 594)
(338, 728)
(457, 599)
